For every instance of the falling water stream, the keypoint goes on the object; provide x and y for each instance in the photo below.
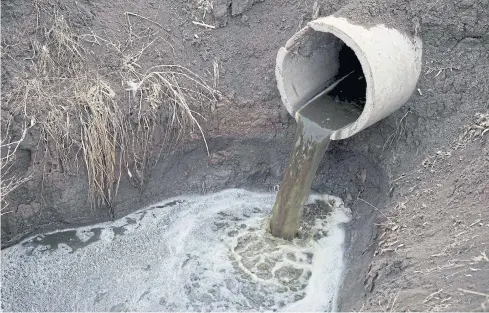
(315, 123)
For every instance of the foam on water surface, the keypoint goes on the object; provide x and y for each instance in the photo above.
(205, 253)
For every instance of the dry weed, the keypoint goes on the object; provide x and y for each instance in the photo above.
(179, 92)
(102, 131)
(398, 132)
(205, 6)
(477, 129)
(59, 52)
(8, 147)
(76, 115)
(50, 102)
(84, 117)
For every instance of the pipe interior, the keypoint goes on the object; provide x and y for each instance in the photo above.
(321, 59)
(352, 89)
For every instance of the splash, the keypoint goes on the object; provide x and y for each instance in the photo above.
(206, 253)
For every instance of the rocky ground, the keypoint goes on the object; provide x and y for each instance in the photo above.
(416, 181)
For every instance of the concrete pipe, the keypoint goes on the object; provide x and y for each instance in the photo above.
(386, 63)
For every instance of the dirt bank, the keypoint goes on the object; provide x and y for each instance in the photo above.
(397, 174)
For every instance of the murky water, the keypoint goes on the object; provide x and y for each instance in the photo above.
(206, 253)
(315, 123)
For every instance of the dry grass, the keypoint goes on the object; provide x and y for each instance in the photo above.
(8, 147)
(398, 132)
(102, 132)
(205, 6)
(477, 129)
(174, 96)
(77, 117)
(61, 54)
(473, 131)
(164, 87)
(89, 118)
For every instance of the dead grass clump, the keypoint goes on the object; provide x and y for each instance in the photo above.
(59, 52)
(8, 147)
(82, 118)
(176, 94)
(169, 95)
(87, 118)
(102, 132)
(51, 103)
(77, 117)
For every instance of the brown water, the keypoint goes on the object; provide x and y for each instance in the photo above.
(315, 123)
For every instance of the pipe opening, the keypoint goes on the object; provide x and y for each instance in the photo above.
(386, 64)
(322, 59)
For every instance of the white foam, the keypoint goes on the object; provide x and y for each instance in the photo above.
(84, 234)
(208, 253)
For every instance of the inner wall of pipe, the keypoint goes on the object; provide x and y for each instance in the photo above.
(321, 59)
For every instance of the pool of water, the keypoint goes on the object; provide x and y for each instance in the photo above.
(198, 253)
